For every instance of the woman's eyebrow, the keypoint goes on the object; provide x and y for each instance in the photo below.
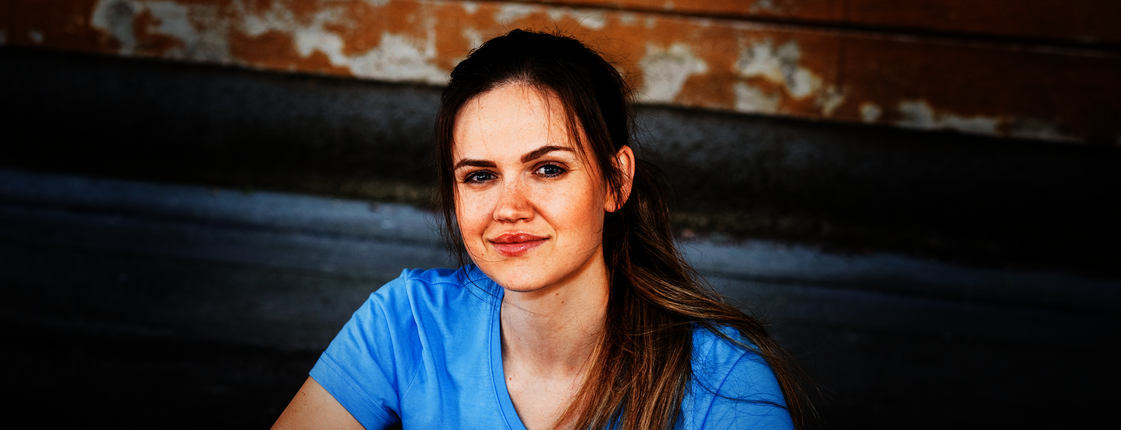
(532, 155)
(475, 163)
(537, 153)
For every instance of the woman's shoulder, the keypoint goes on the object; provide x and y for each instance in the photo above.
(721, 354)
(441, 275)
(420, 301)
(732, 383)
(410, 325)
(421, 278)
(435, 287)
(721, 346)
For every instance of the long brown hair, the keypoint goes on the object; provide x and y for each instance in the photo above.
(642, 369)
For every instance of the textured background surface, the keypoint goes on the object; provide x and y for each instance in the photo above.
(1037, 69)
(148, 305)
(195, 194)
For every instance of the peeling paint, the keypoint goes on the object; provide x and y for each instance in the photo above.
(115, 18)
(508, 13)
(309, 40)
(592, 19)
(474, 37)
(1034, 128)
(664, 71)
(119, 18)
(276, 18)
(753, 100)
(870, 112)
(671, 58)
(919, 114)
(397, 59)
(829, 100)
(780, 66)
(172, 20)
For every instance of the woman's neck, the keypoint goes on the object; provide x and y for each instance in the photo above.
(556, 329)
(549, 337)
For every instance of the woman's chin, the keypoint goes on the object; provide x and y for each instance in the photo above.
(519, 283)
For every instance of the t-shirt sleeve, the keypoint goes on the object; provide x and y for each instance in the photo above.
(748, 397)
(365, 367)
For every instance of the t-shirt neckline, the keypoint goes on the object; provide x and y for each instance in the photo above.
(498, 375)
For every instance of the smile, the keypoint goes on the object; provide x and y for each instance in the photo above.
(515, 244)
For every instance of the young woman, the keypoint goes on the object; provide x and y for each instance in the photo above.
(578, 311)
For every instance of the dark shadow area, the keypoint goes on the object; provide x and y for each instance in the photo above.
(976, 200)
(852, 188)
(170, 122)
(71, 378)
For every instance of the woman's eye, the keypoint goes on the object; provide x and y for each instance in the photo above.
(478, 177)
(550, 170)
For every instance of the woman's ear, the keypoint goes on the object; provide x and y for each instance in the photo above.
(624, 162)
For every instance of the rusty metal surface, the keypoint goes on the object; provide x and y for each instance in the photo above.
(988, 88)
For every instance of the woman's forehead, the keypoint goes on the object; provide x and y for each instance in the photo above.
(510, 101)
(512, 117)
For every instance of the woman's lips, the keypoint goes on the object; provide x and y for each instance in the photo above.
(515, 244)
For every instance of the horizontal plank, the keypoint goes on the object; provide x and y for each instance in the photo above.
(1081, 21)
(994, 89)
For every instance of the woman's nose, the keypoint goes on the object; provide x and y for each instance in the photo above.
(513, 205)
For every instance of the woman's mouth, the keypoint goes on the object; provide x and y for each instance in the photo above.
(515, 244)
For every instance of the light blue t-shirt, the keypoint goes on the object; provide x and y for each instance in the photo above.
(425, 351)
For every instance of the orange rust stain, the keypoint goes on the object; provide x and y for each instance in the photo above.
(452, 43)
(803, 9)
(1078, 20)
(1073, 20)
(713, 89)
(276, 50)
(718, 46)
(355, 28)
(63, 24)
(401, 18)
(396, 17)
(361, 24)
(536, 19)
(1076, 94)
(303, 10)
(258, 6)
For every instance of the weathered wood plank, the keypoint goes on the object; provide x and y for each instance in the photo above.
(1084, 21)
(991, 88)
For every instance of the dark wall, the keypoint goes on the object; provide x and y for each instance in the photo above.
(980, 200)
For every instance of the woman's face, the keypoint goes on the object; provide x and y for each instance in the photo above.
(530, 210)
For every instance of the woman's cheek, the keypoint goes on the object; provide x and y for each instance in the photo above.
(473, 214)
